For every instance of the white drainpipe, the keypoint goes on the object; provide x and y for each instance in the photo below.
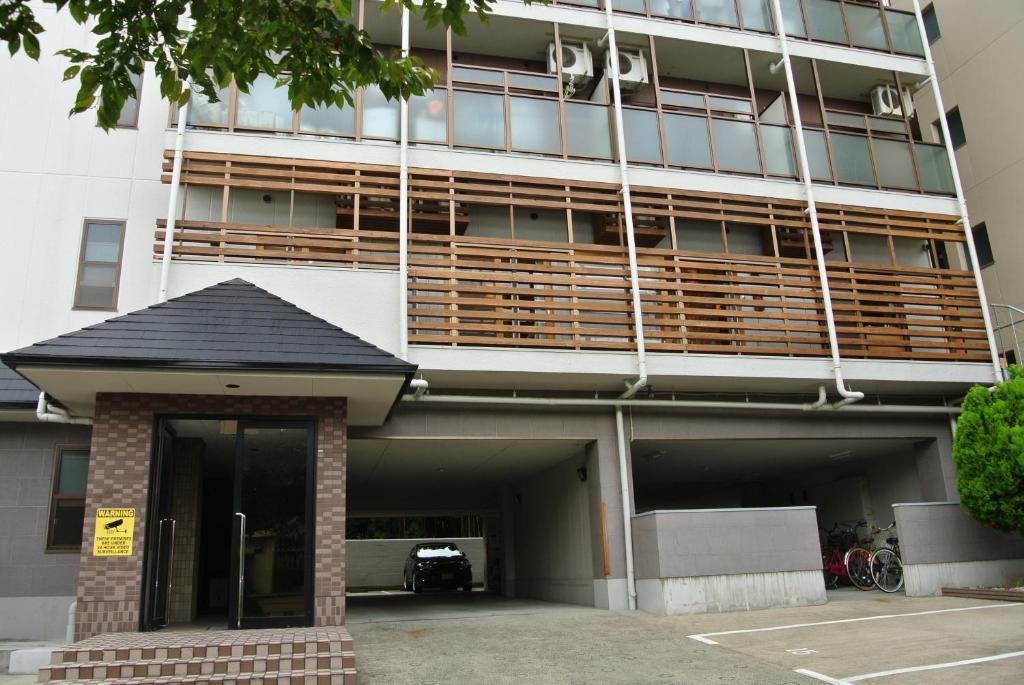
(403, 208)
(172, 203)
(627, 510)
(51, 413)
(964, 218)
(848, 395)
(627, 206)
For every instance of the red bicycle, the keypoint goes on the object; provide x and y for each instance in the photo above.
(842, 556)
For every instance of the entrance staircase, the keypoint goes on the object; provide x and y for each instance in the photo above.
(292, 656)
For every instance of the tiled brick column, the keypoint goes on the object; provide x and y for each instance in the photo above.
(110, 588)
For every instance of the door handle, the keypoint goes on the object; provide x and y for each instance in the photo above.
(159, 548)
(241, 568)
(170, 571)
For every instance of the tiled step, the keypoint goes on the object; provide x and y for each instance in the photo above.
(110, 654)
(309, 677)
(72, 670)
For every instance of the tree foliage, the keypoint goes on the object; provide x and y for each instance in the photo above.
(989, 454)
(312, 47)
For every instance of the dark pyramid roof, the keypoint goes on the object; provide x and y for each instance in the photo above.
(15, 391)
(231, 325)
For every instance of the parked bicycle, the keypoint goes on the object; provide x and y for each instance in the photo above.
(857, 561)
(886, 565)
(837, 541)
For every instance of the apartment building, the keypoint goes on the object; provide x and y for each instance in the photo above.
(977, 54)
(613, 306)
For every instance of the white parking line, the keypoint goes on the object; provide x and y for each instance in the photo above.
(933, 667)
(703, 637)
(822, 678)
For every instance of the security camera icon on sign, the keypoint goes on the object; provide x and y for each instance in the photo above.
(115, 525)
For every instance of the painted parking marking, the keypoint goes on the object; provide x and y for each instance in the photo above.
(802, 651)
(849, 680)
(703, 637)
(821, 677)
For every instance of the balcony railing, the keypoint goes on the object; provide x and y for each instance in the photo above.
(854, 23)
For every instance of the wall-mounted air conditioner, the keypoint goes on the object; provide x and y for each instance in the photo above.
(888, 101)
(577, 64)
(632, 69)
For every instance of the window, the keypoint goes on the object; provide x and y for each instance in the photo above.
(129, 117)
(931, 24)
(956, 129)
(982, 245)
(67, 505)
(99, 265)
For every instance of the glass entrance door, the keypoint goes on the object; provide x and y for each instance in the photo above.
(272, 564)
(160, 546)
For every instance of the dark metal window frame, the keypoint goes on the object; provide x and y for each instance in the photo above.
(982, 245)
(82, 263)
(929, 13)
(55, 496)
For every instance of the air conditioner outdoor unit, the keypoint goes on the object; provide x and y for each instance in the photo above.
(632, 69)
(888, 101)
(577, 64)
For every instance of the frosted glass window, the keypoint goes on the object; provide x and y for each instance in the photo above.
(686, 138)
(203, 112)
(129, 116)
(817, 154)
(99, 265)
(778, 150)
(735, 146)
(895, 164)
(641, 133)
(866, 26)
(587, 132)
(904, 34)
(825, 21)
(936, 175)
(676, 9)
(428, 117)
(380, 115)
(717, 11)
(339, 121)
(632, 6)
(265, 106)
(852, 159)
(756, 15)
(793, 18)
(535, 125)
(479, 119)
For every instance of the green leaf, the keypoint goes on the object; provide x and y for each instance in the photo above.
(71, 72)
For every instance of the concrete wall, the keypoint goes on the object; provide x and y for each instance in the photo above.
(725, 560)
(36, 586)
(942, 545)
(552, 537)
(378, 564)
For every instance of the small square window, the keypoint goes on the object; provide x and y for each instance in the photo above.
(67, 503)
(129, 117)
(931, 24)
(99, 265)
(983, 246)
(956, 128)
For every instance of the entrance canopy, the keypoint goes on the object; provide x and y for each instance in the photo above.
(232, 338)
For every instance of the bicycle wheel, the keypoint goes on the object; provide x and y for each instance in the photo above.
(858, 568)
(887, 570)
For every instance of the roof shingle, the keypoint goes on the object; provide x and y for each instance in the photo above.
(15, 391)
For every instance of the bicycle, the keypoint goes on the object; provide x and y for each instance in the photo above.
(857, 562)
(832, 551)
(886, 564)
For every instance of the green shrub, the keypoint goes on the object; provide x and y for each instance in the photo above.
(989, 454)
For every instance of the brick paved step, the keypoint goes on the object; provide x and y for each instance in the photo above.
(105, 653)
(72, 670)
(309, 677)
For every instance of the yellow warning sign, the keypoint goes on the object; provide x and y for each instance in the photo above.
(115, 530)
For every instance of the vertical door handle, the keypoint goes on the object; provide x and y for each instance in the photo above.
(170, 571)
(241, 568)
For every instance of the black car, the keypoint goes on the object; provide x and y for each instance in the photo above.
(440, 565)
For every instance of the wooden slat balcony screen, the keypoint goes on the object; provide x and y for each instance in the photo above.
(748, 285)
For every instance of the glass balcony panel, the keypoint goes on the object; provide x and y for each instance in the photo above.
(535, 125)
(541, 82)
(735, 146)
(866, 26)
(587, 131)
(717, 12)
(904, 34)
(825, 21)
(339, 121)
(895, 164)
(817, 155)
(730, 105)
(640, 128)
(936, 174)
(675, 99)
(202, 112)
(778, 150)
(470, 75)
(428, 117)
(631, 6)
(265, 106)
(887, 125)
(756, 15)
(479, 120)
(676, 9)
(686, 138)
(380, 115)
(847, 120)
(853, 161)
(793, 18)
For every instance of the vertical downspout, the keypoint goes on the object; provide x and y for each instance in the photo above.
(627, 509)
(403, 208)
(848, 395)
(172, 203)
(627, 207)
(961, 201)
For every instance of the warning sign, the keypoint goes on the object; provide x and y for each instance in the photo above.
(115, 530)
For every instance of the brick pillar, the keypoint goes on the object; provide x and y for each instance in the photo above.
(329, 569)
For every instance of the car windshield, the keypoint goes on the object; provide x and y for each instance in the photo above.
(438, 551)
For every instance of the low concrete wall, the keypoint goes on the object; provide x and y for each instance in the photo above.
(43, 619)
(378, 564)
(942, 545)
(703, 560)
